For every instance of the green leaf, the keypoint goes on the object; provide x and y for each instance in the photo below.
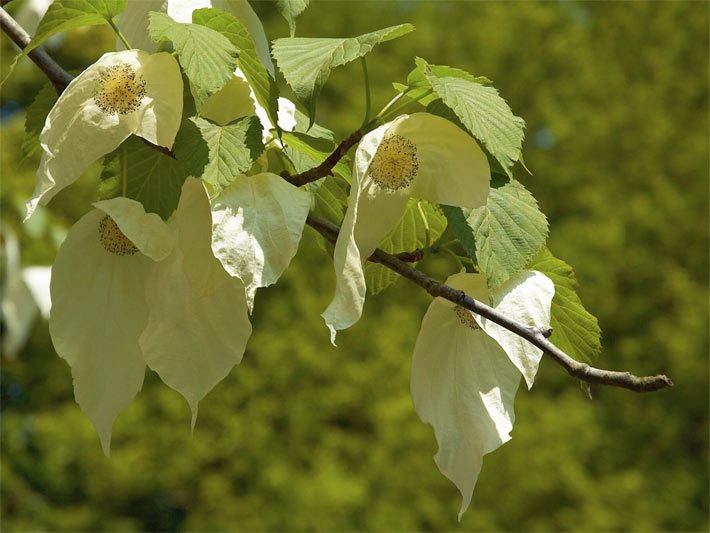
(574, 329)
(306, 152)
(207, 57)
(508, 232)
(480, 108)
(254, 70)
(36, 115)
(330, 198)
(64, 15)
(290, 9)
(218, 154)
(150, 177)
(456, 217)
(306, 63)
(419, 219)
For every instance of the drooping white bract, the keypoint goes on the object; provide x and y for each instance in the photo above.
(133, 23)
(527, 298)
(257, 226)
(123, 93)
(24, 295)
(463, 382)
(99, 308)
(198, 325)
(419, 155)
(128, 289)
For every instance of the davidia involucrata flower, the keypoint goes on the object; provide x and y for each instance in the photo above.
(419, 155)
(123, 93)
(465, 372)
(128, 289)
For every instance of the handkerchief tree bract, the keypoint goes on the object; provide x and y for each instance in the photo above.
(211, 174)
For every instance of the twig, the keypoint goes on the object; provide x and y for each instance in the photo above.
(536, 336)
(59, 77)
(326, 167)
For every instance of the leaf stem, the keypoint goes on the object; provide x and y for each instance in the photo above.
(368, 102)
(124, 170)
(392, 109)
(427, 229)
(120, 35)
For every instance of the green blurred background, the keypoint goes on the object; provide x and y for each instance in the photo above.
(304, 436)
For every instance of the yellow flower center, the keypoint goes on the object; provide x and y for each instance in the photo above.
(395, 164)
(465, 317)
(112, 238)
(119, 90)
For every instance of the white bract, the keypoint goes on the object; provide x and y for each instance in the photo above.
(419, 155)
(24, 295)
(127, 289)
(198, 326)
(257, 226)
(123, 93)
(463, 382)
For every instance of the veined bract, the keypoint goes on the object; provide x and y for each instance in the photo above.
(419, 155)
(123, 93)
(128, 289)
(464, 379)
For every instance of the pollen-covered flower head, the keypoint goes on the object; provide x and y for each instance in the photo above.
(419, 155)
(123, 93)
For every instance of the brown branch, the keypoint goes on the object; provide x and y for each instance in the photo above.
(536, 336)
(326, 167)
(59, 77)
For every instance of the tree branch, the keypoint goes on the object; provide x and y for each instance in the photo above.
(326, 167)
(59, 77)
(536, 336)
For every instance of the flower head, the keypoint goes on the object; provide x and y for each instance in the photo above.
(123, 93)
(465, 375)
(419, 155)
(128, 289)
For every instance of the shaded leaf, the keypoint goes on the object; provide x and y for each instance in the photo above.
(409, 235)
(36, 115)
(150, 177)
(217, 153)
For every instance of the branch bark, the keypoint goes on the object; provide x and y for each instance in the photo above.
(326, 167)
(536, 336)
(56, 74)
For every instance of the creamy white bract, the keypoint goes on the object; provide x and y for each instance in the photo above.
(257, 226)
(464, 380)
(123, 93)
(419, 155)
(127, 289)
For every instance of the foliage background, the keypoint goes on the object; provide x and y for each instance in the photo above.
(305, 436)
